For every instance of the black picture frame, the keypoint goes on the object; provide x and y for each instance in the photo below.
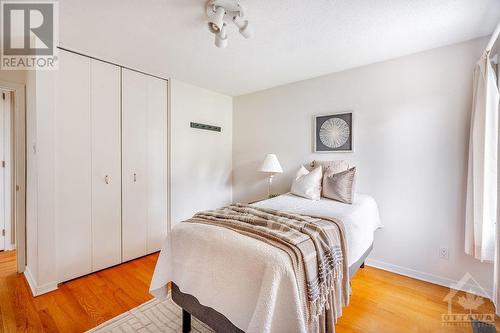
(323, 122)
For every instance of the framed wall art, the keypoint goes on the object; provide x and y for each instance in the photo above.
(333, 133)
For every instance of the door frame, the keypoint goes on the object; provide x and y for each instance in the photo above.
(19, 168)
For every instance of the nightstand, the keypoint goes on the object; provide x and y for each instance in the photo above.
(272, 196)
(252, 202)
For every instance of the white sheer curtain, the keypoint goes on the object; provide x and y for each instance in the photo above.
(496, 278)
(481, 205)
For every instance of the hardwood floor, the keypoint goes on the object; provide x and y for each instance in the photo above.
(382, 302)
(388, 302)
(75, 306)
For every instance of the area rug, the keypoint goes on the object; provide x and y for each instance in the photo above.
(152, 316)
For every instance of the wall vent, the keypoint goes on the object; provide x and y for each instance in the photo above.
(206, 127)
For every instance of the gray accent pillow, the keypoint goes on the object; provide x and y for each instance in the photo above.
(335, 165)
(339, 186)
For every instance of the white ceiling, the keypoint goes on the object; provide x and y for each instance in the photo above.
(293, 39)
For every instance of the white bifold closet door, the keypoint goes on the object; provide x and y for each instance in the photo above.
(87, 159)
(73, 169)
(144, 168)
(106, 165)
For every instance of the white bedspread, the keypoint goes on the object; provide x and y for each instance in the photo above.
(251, 282)
(360, 219)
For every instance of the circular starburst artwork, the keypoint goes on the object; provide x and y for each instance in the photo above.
(334, 133)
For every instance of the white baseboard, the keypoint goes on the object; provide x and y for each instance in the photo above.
(10, 247)
(36, 289)
(431, 278)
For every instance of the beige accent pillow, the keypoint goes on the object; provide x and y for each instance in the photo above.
(308, 184)
(336, 166)
(339, 186)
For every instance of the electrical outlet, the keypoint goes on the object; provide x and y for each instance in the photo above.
(444, 253)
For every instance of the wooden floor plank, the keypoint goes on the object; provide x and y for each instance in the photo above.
(381, 301)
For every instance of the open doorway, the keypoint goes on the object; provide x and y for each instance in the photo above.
(12, 176)
(7, 221)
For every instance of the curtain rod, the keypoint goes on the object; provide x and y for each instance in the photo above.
(494, 37)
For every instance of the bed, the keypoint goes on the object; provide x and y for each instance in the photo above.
(235, 283)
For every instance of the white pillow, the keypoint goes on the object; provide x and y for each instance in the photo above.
(308, 184)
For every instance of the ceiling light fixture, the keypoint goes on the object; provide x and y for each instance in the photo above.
(220, 13)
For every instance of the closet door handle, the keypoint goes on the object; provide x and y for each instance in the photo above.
(135, 177)
(106, 179)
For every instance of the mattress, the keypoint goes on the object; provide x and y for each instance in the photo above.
(360, 219)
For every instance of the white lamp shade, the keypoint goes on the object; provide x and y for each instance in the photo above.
(271, 164)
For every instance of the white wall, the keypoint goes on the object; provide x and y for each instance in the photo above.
(31, 178)
(200, 160)
(410, 135)
(40, 229)
(13, 76)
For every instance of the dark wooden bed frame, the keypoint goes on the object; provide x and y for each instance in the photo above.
(217, 321)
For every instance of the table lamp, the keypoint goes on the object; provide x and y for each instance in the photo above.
(271, 166)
